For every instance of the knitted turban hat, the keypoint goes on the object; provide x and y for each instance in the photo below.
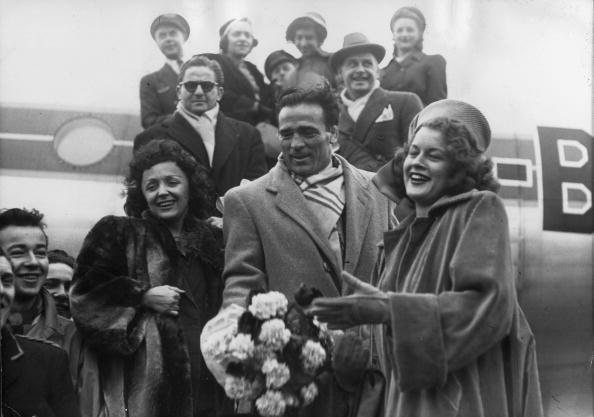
(468, 115)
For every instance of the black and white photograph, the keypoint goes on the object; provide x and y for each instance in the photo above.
(296, 208)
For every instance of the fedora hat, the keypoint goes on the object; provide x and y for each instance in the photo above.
(356, 43)
(171, 19)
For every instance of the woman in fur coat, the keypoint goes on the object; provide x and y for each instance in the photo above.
(451, 337)
(144, 287)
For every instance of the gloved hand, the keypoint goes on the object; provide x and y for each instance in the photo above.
(366, 305)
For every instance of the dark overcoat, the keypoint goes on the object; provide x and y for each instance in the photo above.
(382, 127)
(143, 357)
(158, 96)
(35, 379)
(239, 96)
(238, 154)
(424, 75)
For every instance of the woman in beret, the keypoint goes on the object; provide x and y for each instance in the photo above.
(246, 97)
(410, 69)
(144, 287)
(451, 337)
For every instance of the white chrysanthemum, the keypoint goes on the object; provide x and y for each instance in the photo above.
(309, 393)
(313, 356)
(274, 334)
(267, 305)
(237, 387)
(271, 404)
(241, 346)
(277, 374)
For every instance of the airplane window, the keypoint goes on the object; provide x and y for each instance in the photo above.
(83, 141)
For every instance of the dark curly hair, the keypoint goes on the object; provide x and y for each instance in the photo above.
(22, 217)
(463, 154)
(322, 96)
(202, 195)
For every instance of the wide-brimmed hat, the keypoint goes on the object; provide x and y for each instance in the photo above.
(356, 43)
(276, 58)
(305, 19)
(411, 13)
(171, 19)
(471, 117)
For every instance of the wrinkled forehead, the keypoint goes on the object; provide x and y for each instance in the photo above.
(302, 114)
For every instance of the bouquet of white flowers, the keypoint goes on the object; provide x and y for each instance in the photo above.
(275, 354)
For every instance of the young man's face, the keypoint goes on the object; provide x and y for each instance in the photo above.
(170, 41)
(26, 247)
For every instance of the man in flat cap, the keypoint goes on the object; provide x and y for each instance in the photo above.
(373, 122)
(158, 96)
(308, 32)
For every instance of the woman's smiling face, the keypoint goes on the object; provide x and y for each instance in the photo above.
(166, 190)
(428, 169)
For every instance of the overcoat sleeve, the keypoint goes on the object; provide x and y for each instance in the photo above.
(244, 255)
(437, 88)
(435, 334)
(105, 298)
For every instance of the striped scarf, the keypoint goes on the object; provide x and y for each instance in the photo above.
(324, 194)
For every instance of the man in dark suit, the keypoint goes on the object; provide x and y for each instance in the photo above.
(158, 96)
(373, 122)
(232, 150)
(34, 378)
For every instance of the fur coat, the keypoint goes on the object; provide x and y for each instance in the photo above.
(143, 359)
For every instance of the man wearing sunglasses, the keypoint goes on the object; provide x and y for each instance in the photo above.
(157, 89)
(231, 149)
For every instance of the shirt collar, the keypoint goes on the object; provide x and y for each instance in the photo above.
(174, 64)
(348, 102)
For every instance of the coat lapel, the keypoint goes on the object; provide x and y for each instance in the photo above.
(290, 201)
(374, 107)
(358, 215)
(226, 138)
(186, 135)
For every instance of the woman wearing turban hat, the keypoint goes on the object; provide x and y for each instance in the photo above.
(451, 336)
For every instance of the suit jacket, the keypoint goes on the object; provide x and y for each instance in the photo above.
(424, 75)
(158, 96)
(238, 154)
(272, 243)
(239, 96)
(35, 378)
(370, 142)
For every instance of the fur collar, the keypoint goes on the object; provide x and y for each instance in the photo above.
(197, 238)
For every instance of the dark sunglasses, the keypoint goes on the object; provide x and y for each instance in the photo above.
(192, 86)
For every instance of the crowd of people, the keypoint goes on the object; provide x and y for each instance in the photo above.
(367, 184)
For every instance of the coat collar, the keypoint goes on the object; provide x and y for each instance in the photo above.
(439, 206)
(358, 211)
(46, 324)
(226, 139)
(415, 56)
